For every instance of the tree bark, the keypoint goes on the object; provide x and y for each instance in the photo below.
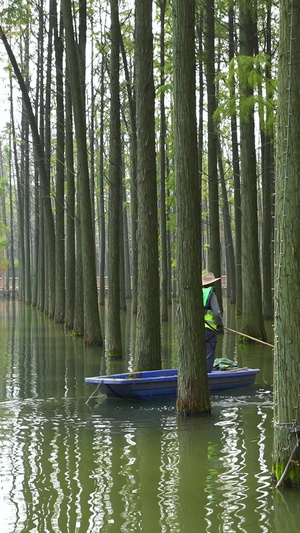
(252, 323)
(236, 171)
(101, 187)
(287, 251)
(163, 221)
(40, 159)
(229, 250)
(114, 324)
(193, 392)
(214, 257)
(60, 295)
(71, 287)
(92, 328)
(134, 201)
(148, 344)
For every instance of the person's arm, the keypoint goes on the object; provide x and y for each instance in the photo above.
(216, 309)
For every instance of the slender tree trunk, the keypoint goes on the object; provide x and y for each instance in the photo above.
(122, 252)
(214, 230)
(287, 252)
(26, 179)
(78, 326)
(101, 186)
(193, 392)
(71, 288)
(20, 203)
(42, 268)
(148, 345)
(122, 210)
(163, 222)
(59, 314)
(268, 189)
(39, 154)
(201, 106)
(253, 323)
(126, 247)
(114, 324)
(38, 105)
(133, 195)
(92, 328)
(92, 128)
(12, 240)
(230, 262)
(47, 286)
(236, 172)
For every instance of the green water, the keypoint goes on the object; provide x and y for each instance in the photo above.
(119, 466)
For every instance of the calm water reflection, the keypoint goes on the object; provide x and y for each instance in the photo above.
(119, 466)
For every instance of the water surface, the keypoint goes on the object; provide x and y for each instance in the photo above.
(72, 462)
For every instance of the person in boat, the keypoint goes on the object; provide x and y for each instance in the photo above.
(212, 317)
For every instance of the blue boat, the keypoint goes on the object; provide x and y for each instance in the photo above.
(163, 383)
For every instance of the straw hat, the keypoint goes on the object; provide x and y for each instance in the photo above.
(208, 279)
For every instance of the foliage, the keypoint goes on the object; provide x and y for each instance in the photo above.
(249, 73)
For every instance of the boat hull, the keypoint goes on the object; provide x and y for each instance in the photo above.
(163, 383)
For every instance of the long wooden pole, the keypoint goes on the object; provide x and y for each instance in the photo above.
(252, 338)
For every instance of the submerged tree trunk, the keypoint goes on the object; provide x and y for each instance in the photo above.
(287, 252)
(193, 392)
(148, 344)
(253, 323)
(101, 192)
(59, 314)
(92, 328)
(40, 159)
(114, 323)
(20, 202)
(70, 213)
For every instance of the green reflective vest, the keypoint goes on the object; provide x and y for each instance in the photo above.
(209, 319)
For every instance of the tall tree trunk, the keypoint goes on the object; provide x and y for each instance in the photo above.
(101, 192)
(201, 106)
(71, 288)
(268, 188)
(230, 263)
(40, 159)
(12, 240)
(92, 328)
(236, 171)
(122, 210)
(252, 323)
(42, 269)
(148, 344)
(133, 195)
(59, 314)
(47, 286)
(92, 127)
(114, 323)
(193, 392)
(78, 326)
(163, 221)
(287, 252)
(20, 202)
(38, 105)
(214, 229)
(26, 178)
(128, 293)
